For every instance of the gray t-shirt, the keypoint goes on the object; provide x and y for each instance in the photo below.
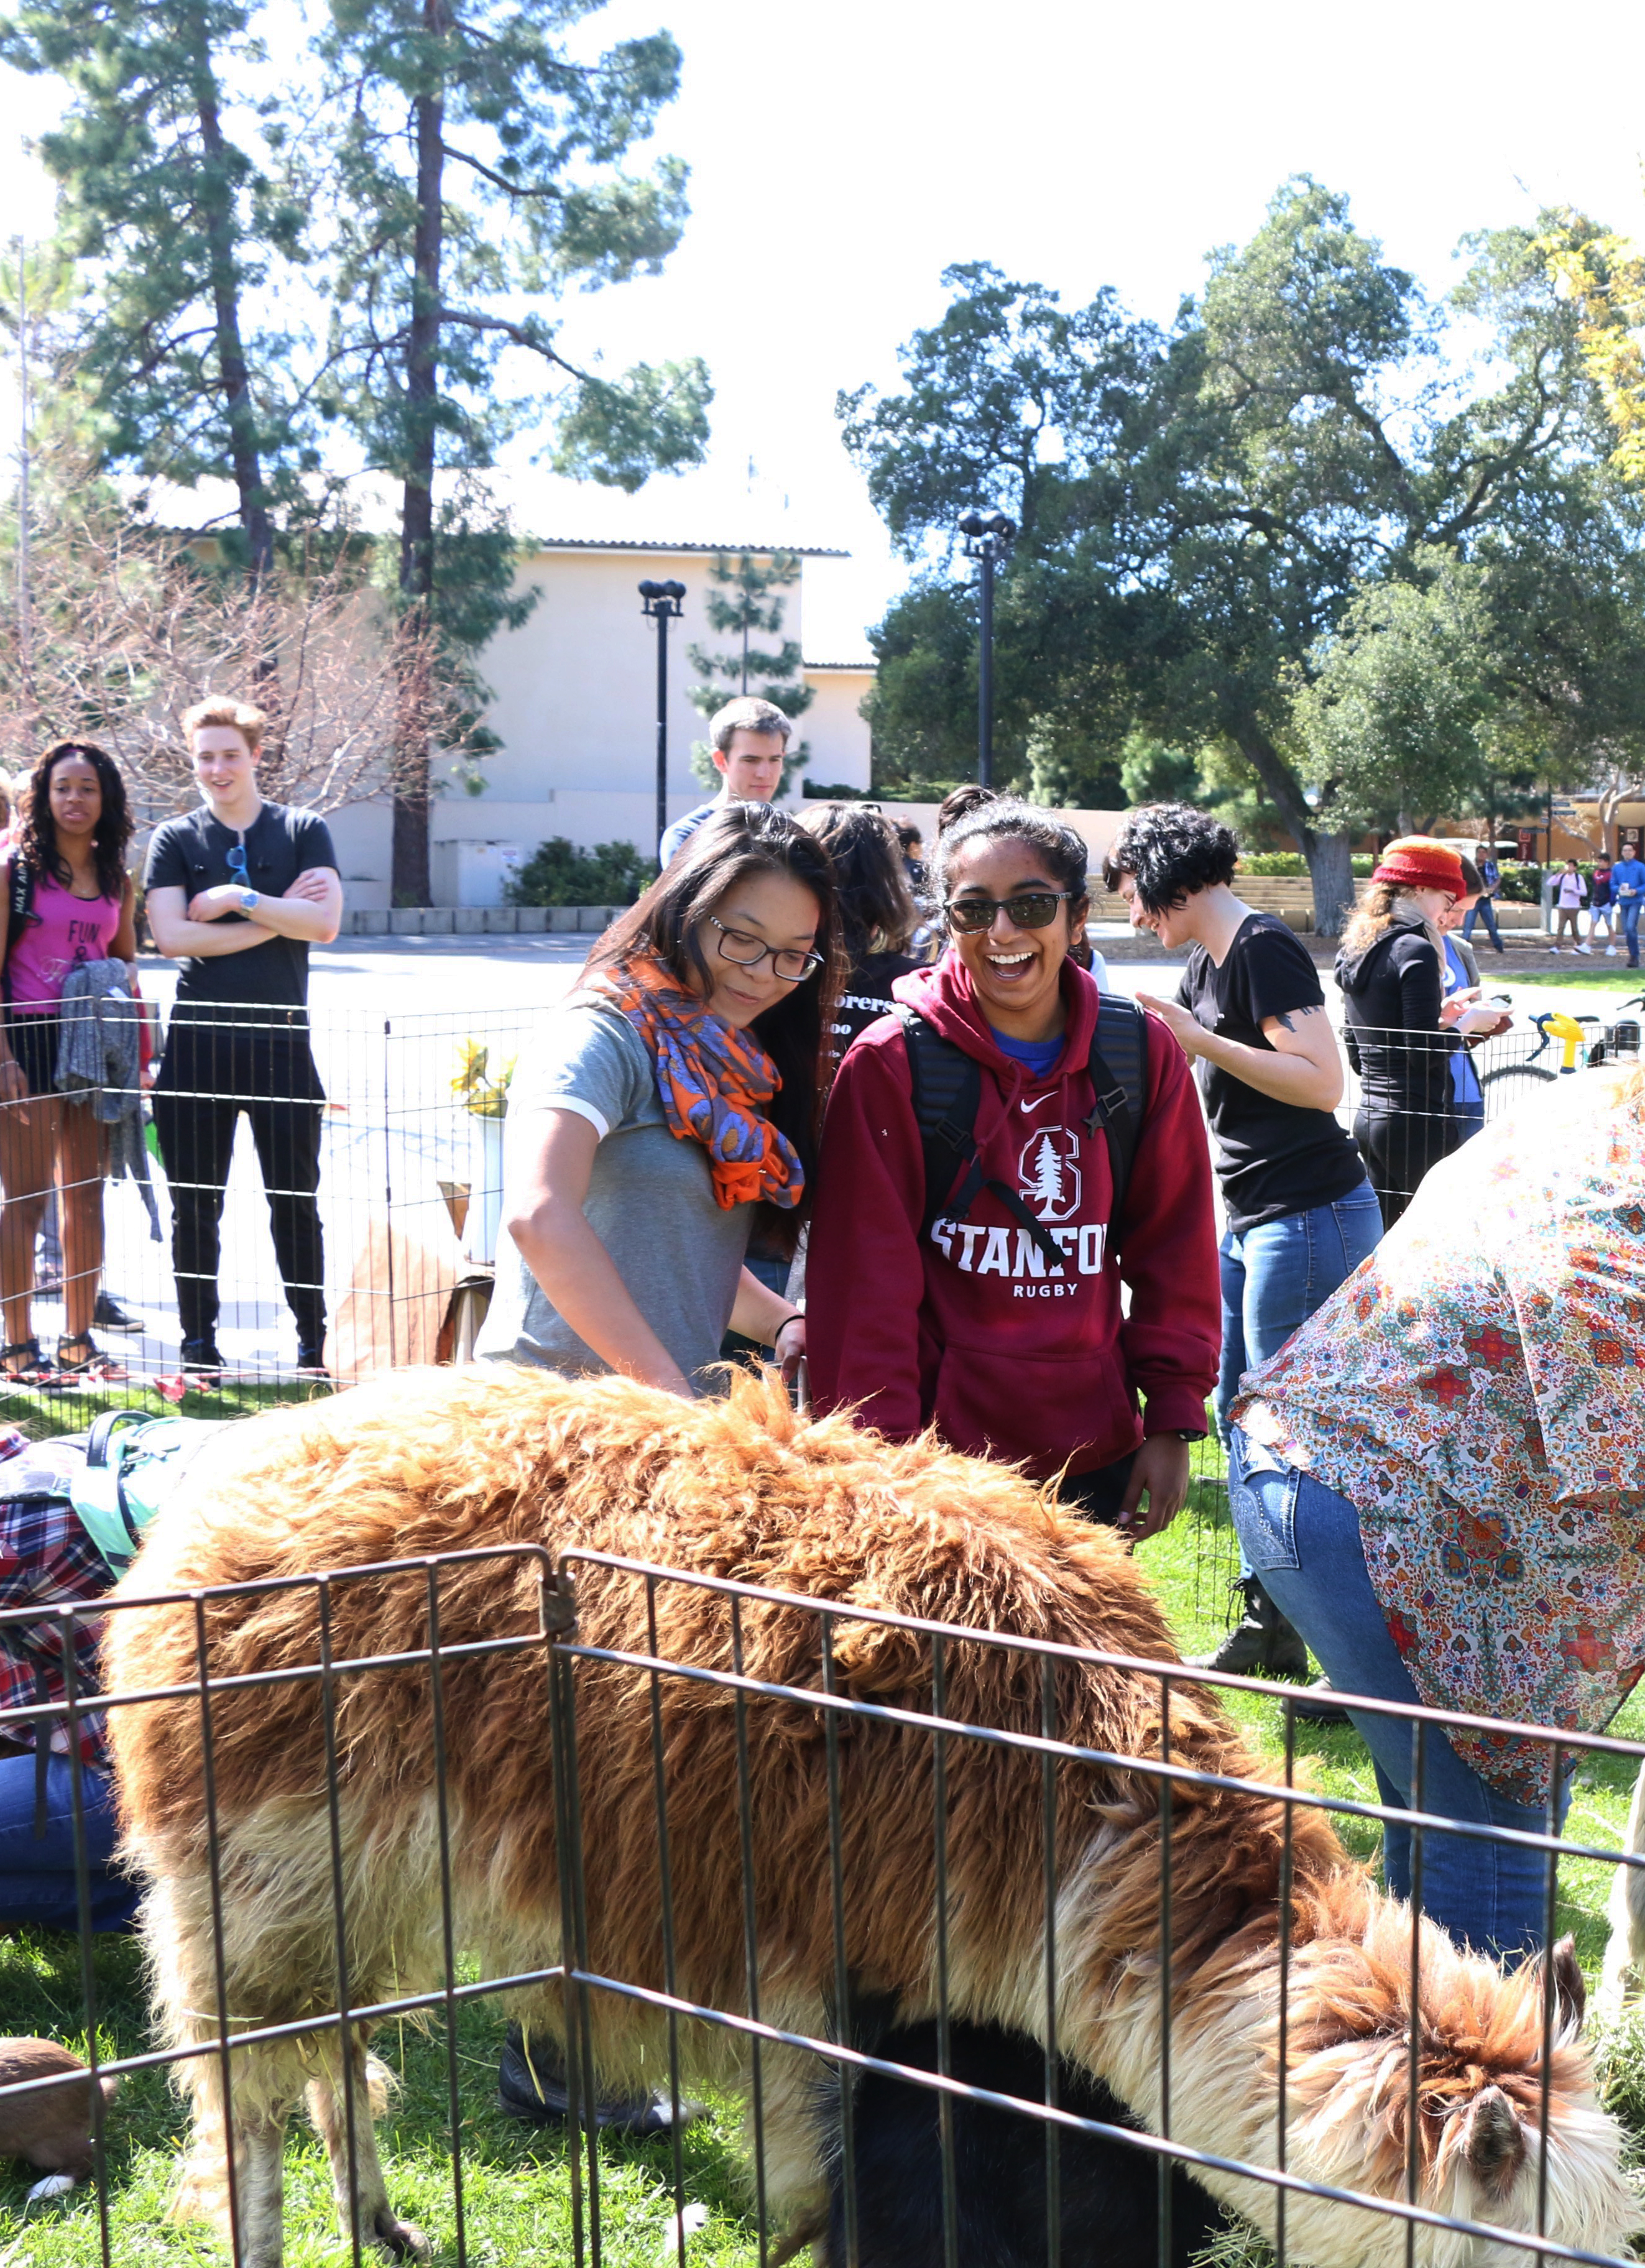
(650, 1202)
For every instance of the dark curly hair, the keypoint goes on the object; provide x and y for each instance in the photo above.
(1171, 850)
(37, 840)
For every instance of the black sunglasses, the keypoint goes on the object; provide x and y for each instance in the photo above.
(1029, 910)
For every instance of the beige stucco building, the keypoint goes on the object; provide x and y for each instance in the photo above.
(574, 703)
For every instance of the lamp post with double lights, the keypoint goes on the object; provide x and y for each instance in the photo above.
(987, 536)
(662, 603)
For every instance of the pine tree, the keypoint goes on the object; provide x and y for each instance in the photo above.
(163, 195)
(1048, 1175)
(751, 610)
(478, 173)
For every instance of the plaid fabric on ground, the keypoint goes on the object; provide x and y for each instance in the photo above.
(46, 1559)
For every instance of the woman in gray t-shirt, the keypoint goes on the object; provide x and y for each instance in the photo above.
(676, 1092)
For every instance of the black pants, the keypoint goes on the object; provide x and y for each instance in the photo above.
(1399, 1140)
(212, 1073)
(1098, 1493)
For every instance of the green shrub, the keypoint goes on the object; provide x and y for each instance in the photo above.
(558, 873)
(1292, 862)
(1521, 882)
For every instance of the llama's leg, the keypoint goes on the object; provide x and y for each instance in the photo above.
(357, 2171)
(1624, 1967)
(259, 2191)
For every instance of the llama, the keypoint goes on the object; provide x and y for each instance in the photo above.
(741, 1487)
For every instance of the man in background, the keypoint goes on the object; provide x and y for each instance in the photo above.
(1484, 905)
(1627, 888)
(749, 740)
(237, 891)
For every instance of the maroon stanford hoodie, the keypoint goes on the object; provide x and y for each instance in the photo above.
(969, 1325)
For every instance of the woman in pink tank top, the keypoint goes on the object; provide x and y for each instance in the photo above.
(69, 862)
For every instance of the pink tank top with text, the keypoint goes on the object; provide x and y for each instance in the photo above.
(68, 929)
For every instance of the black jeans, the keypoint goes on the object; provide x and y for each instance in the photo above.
(1096, 1495)
(212, 1073)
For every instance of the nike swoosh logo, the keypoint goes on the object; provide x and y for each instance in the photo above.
(1034, 1106)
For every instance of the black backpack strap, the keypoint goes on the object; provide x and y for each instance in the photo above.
(19, 903)
(1120, 1082)
(948, 1088)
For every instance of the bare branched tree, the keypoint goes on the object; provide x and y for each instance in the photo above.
(127, 625)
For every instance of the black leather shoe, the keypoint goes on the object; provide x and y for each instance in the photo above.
(1318, 1706)
(531, 2085)
(109, 1316)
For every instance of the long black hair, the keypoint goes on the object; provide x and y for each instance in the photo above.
(739, 841)
(37, 841)
(876, 907)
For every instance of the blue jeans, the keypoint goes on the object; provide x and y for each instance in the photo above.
(1275, 1276)
(1303, 1540)
(37, 1881)
(1630, 909)
(1488, 910)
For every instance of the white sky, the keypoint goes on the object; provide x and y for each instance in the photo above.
(843, 154)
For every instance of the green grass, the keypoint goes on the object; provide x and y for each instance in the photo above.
(41, 1412)
(516, 2183)
(1601, 979)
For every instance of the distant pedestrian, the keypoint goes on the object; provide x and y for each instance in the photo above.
(237, 891)
(748, 743)
(67, 899)
(913, 849)
(1391, 970)
(1570, 895)
(1627, 886)
(1601, 905)
(1490, 885)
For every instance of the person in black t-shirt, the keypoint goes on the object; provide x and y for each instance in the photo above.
(1301, 1214)
(237, 891)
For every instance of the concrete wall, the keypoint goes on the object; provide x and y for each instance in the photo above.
(834, 728)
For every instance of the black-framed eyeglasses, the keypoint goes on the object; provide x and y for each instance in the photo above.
(1028, 910)
(746, 951)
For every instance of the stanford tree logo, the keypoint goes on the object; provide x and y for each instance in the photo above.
(1047, 1173)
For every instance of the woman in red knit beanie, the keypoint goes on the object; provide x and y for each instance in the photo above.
(1391, 970)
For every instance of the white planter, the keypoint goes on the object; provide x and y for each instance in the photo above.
(485, 1189)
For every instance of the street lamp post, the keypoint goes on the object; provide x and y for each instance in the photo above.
(986, 536)
(663, 603)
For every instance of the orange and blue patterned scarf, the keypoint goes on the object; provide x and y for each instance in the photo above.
(713, 1080)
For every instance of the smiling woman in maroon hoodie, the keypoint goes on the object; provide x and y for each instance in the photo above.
(966, 1322)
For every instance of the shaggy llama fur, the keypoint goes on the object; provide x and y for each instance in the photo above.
(441, 1461)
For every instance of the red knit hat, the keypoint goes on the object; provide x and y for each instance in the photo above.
(1417, 862)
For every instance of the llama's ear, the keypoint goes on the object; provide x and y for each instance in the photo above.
(1493, 2143)
(1570, 1994)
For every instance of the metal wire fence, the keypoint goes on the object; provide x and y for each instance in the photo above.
(1085, 2072)
(327, 1190)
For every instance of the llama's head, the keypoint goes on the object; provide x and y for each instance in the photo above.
(1479, 2076)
